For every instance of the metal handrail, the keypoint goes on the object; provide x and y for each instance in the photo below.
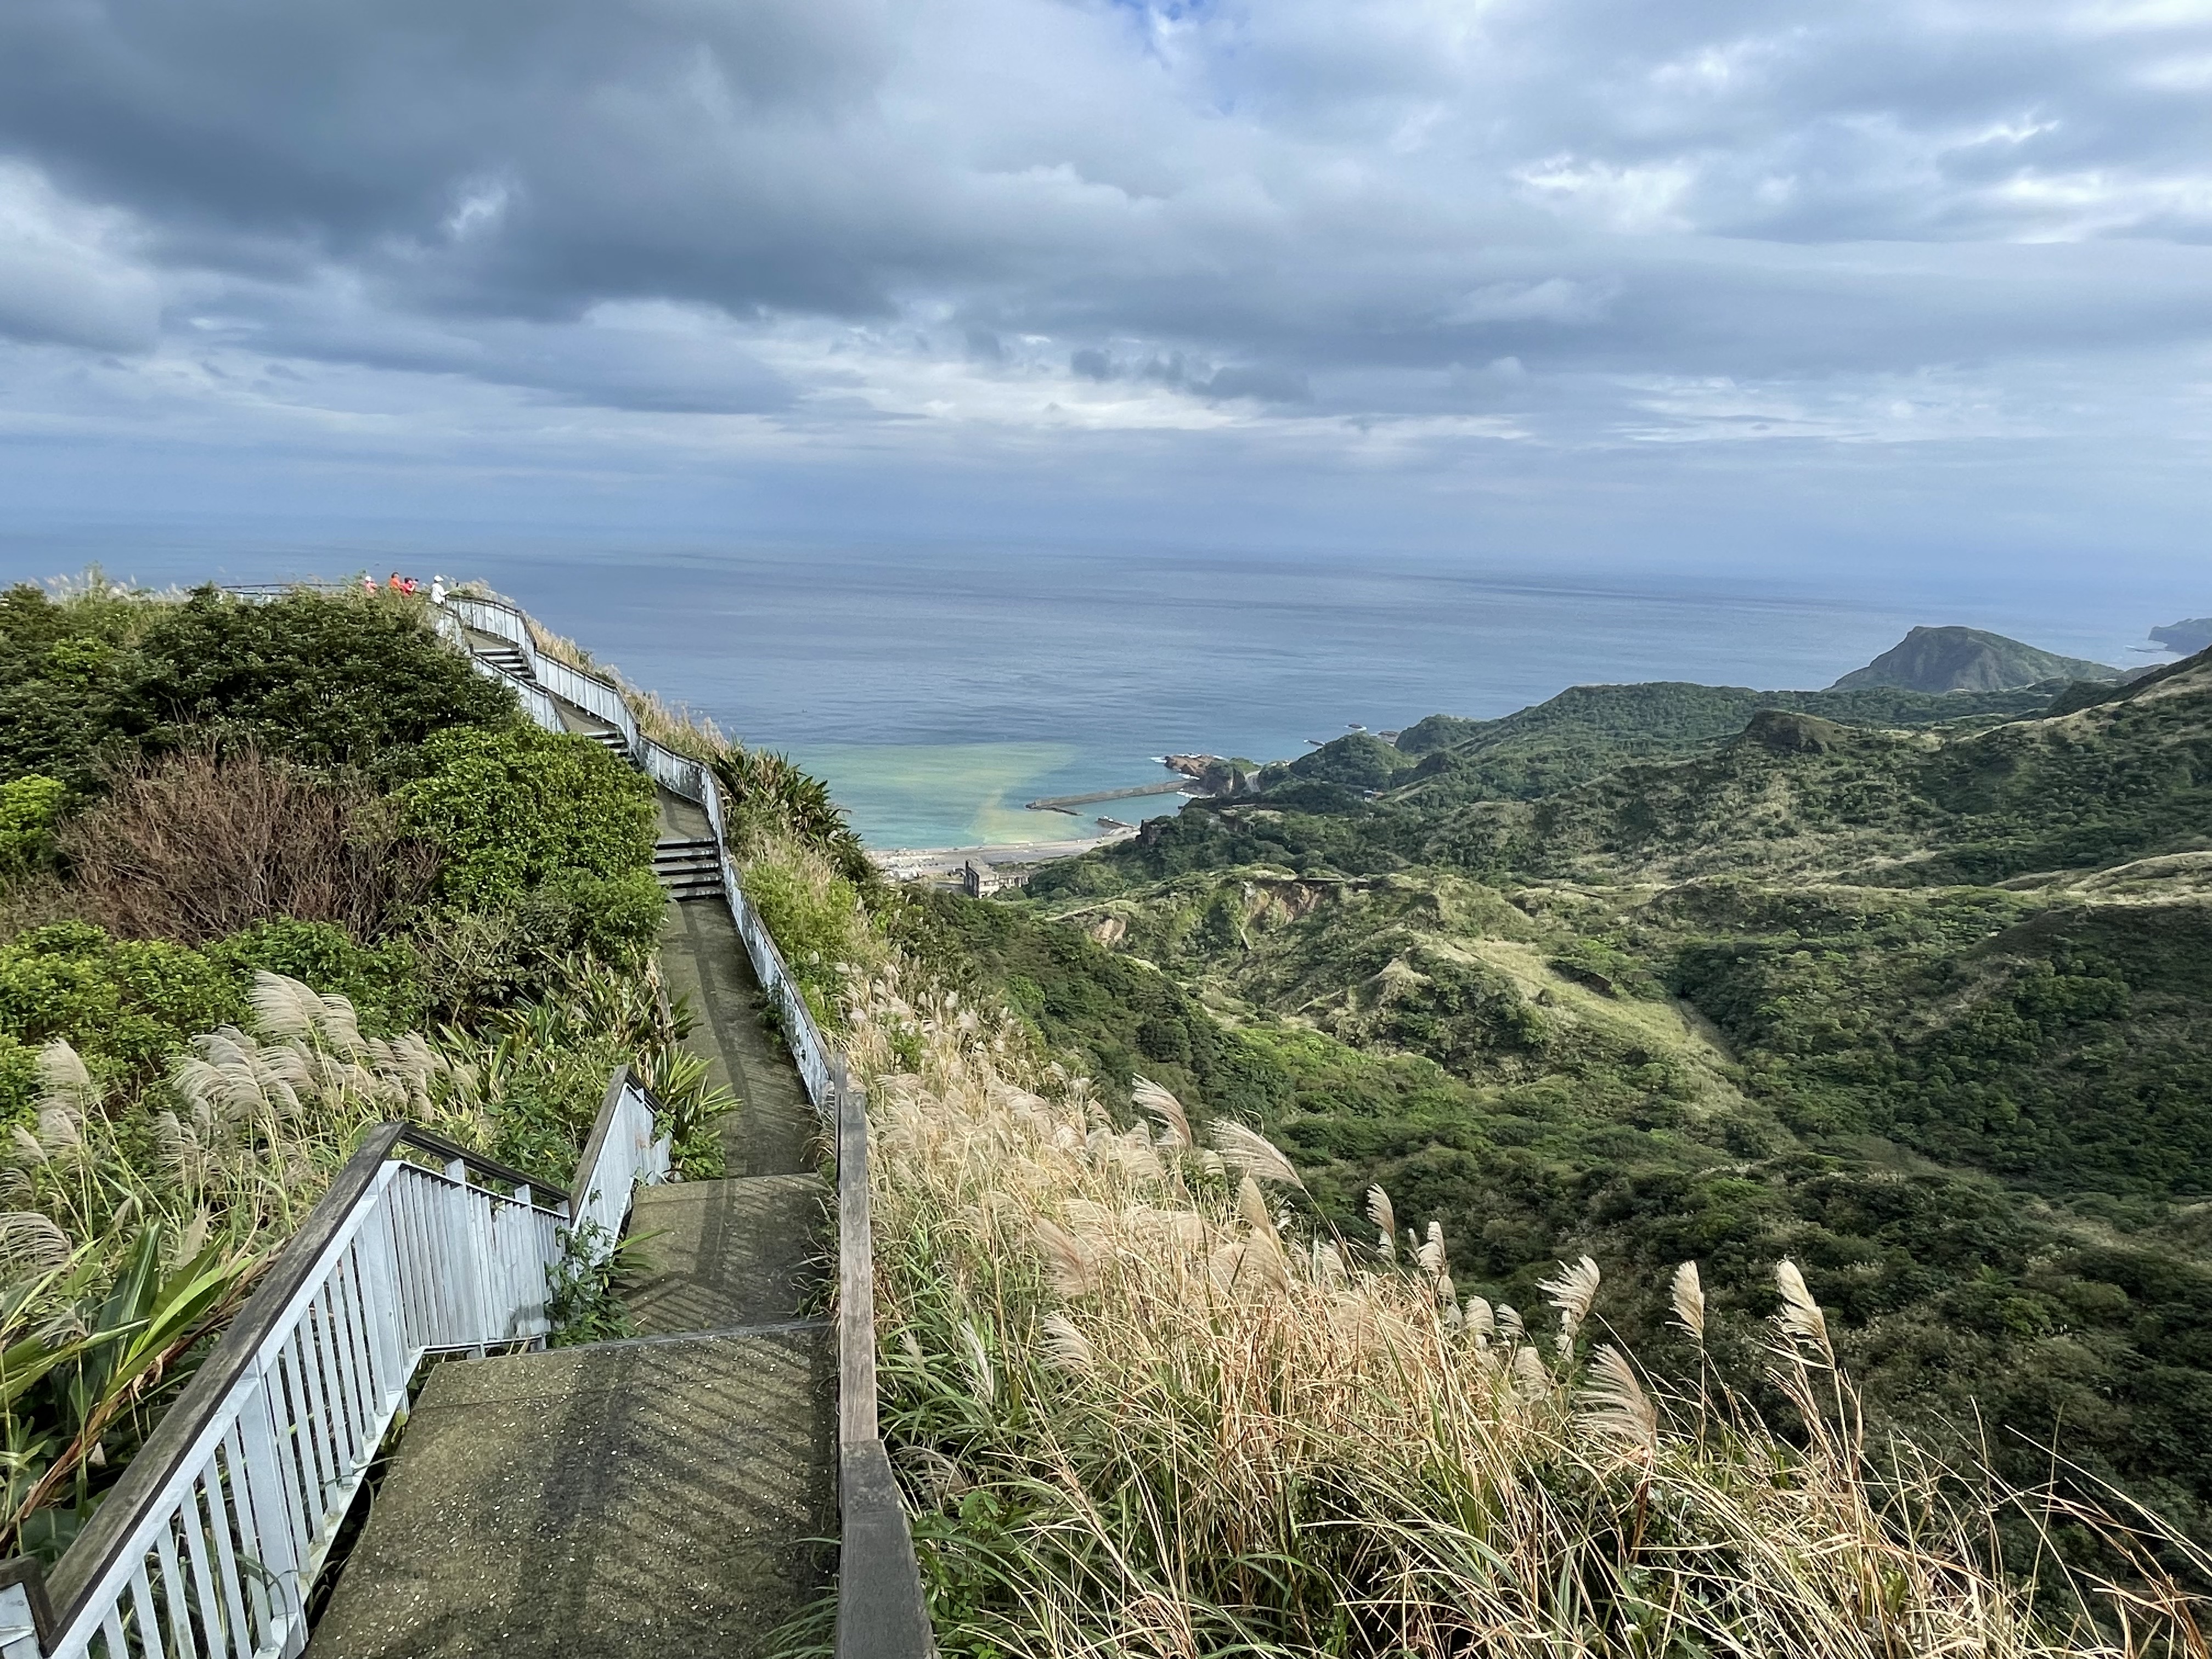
(212, 1540)
(622, 1150)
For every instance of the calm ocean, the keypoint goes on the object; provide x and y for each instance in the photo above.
(937, 690)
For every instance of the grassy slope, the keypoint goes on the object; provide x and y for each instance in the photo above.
(1738, 1003)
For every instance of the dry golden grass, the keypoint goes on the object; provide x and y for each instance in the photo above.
(1150, 1409)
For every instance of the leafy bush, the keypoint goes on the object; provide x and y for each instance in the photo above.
(815, 917)
(28, 809)
(384, 981)
(516, 809)
(124, 1004)
(320, 678)
(771, 799)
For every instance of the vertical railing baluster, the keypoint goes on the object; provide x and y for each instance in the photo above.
(227, 1575)
(322, 1324)
(172, 1592)
(142, 1609)
(203, 1580)
(254, 1571)
(282, 1541)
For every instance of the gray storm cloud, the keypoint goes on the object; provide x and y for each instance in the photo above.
(1714, 219)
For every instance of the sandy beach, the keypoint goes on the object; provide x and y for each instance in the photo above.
(914, 863)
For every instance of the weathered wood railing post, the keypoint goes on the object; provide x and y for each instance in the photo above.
(881, 1612)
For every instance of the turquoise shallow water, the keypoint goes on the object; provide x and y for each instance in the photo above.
(939, 688)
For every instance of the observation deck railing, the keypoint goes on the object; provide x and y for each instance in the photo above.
(210, 1542)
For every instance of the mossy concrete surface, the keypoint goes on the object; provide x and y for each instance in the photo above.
(652, 1499)
(703, 961)
(715, 1254)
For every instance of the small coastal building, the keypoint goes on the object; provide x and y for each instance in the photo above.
(976, 881)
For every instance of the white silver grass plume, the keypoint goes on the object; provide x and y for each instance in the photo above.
(1572, 1291)
(1329, 1266)
(1509, 1327)
(1689, 1296)
(1430, 1254)
(1380, 1212)
(1530, 1379)
(1249, 1152)
(64, 1083)
(1615, 1405)
(60, 1130)
(29, 1242)
(1481, 1319)
(1801, 1317)
(1073, 1263)
(284, 1010)
(1252, 1205)
(980, 1370)
(1157, 1103)
(1066, 1347)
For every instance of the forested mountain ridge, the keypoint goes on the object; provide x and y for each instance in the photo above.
(1587, 730)
(1929, 1008)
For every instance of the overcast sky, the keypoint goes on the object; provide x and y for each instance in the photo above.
(1925, 281)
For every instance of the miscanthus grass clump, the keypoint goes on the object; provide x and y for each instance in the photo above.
(1145, 1403)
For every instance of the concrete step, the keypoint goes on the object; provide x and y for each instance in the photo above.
(688, 868)
(622, 1501)
(718, 1254)
(508, 660)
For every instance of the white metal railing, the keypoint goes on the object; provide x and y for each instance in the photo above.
(594, 696)
(623, 1151)
(808, 1050)
(210, 1542)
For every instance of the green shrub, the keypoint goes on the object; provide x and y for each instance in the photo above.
(771, 799)
(815, 916)
(384, 981)
(320, 678)
(614, 918)
(514, 809)
(124, 1004)
(28, 807)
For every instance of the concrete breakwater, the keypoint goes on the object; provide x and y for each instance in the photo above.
(1069, 803)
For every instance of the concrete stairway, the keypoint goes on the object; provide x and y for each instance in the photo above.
(656, 1496)
(688, 868)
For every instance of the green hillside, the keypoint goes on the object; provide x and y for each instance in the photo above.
(1926, 1002)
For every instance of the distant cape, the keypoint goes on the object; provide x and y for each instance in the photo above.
(1968, 659)
(2188, 637)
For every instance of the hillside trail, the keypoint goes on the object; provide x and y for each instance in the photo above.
(668, 1493)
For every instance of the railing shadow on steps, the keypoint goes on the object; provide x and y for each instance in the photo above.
(881, 1610)
(211, 1540)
